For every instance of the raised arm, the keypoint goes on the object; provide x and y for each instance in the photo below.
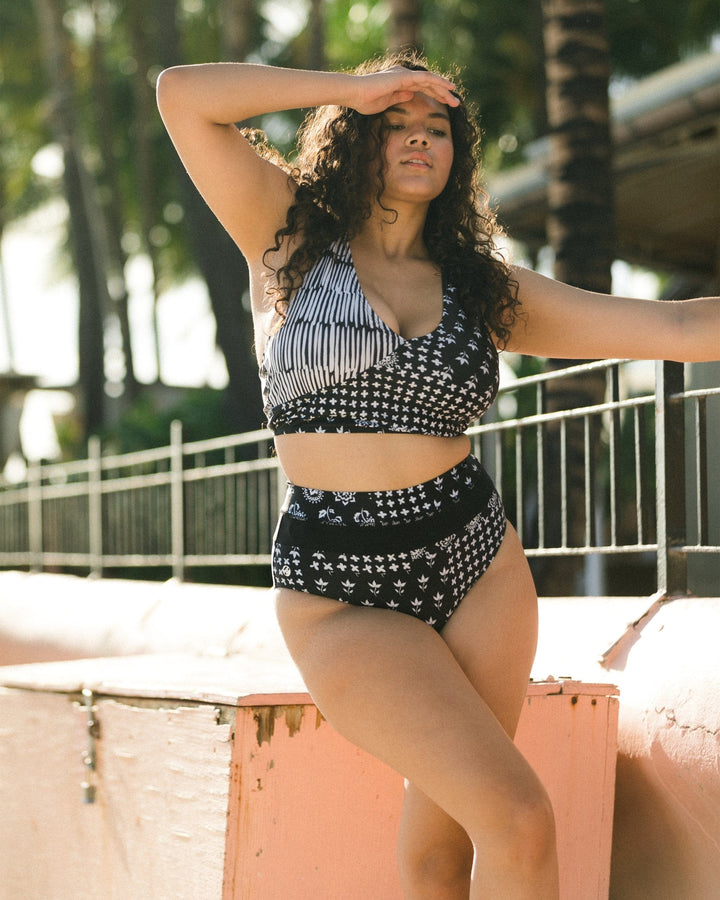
(249, 195)
(568, 323)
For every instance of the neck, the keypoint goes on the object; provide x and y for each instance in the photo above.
(402, 237)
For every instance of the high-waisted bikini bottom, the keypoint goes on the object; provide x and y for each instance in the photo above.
(417, 550)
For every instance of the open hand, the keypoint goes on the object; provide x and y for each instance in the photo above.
(377, 91)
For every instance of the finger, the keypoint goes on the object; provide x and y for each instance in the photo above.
(435, 86)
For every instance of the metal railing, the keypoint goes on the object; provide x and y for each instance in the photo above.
(620, 475)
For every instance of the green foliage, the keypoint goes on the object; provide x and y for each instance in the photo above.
(646, 35)
(23, 109)
(147, 423)
(496, 44)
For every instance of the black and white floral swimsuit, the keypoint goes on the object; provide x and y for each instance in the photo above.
(335, 366)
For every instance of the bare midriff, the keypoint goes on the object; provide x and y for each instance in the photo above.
(367, 462)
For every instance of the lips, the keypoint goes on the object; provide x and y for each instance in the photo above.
(418, 159)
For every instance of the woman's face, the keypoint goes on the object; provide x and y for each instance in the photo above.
(417, 150)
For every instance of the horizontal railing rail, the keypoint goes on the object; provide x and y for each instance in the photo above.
(618, 473)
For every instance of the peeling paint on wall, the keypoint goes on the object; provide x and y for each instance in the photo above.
(265, 717)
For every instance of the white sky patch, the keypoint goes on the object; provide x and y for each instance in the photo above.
(43, 311)
(42, 308)
(285, 20)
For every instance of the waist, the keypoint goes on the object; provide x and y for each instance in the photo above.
(365, 521)
(367, 462)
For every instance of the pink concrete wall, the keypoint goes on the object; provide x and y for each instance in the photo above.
(667, 823)
(312, 816)
(666, 831)
(205, 793)
(663, 655)
(157, 828)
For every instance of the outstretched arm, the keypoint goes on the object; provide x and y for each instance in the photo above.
(249, 195)
(568, 323)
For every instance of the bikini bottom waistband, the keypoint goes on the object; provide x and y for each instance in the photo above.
(422, 514)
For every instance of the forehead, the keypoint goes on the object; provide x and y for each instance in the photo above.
(423, 105)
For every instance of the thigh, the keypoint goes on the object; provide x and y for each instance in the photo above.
(393, 686)
(492, 635)
(493, 632)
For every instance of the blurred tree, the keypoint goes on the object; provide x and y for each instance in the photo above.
(316, 29)
(105, 131)
(130, 169)
(143, 125)
(85, 224)
(221, 263)
(581, 232)
(404, 25)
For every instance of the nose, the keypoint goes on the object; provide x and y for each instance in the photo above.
(418, 136)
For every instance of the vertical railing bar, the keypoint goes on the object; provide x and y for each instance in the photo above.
(125, 535)
(670, 479)
(637, 442)
(701, 491)
(519, 489)
(588, 481)
(147, 514)
(252, 499)
(219, 518)
(614, 391)
(229, 511)
(263, 509)
(129, 533)
(241, 504)
(35, 514)
(190, 515)
(498, 442)
(539, 403)
(177, 514)
(94, 506)
(563, 484)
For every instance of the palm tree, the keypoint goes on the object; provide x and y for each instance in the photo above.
(220, 262)
(86, 225)
(404, 25)
(580, 230)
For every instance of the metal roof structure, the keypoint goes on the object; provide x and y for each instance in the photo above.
(666, 132)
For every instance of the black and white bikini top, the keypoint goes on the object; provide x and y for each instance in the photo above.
(334, 366)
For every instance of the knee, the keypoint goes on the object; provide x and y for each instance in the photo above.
(525, 834)
(436, 870)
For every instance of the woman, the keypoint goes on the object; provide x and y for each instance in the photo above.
(378, 306)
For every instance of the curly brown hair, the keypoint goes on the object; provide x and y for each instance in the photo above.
(333, 170)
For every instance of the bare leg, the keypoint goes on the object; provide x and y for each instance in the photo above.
(393, 686)
(493, 635)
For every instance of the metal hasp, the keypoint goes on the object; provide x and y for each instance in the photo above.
(89, 757)
(670, 478)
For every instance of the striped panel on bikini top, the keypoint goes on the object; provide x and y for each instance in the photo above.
(330, 333)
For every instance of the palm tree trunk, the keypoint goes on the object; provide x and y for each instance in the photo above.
(85, 226)
(581, 231)
(144, 118)
(238, 19)
(405, 19)
(316, 27)
(581, 220)
(113, 209)
(222, 266)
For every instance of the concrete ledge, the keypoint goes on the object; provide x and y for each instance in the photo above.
(208, 785)
(661, 653)
(46, 617)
